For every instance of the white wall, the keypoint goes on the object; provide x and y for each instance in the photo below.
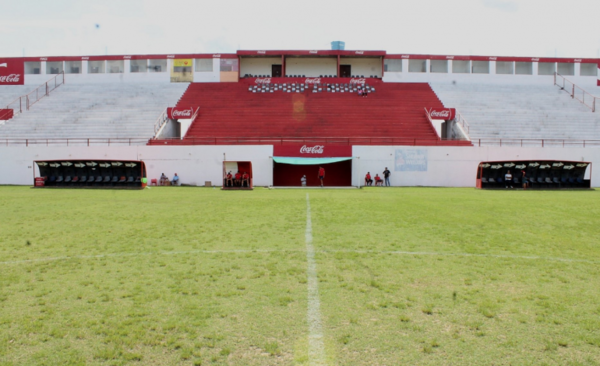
(585, 82)
(127, 76)
(258, 66)
(445, 166)
(456, 166)
(310, 66)
(194, 164)
(363, 66)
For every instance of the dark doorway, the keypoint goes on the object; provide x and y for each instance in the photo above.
(276, 71)
(336, 174)
(345, 71)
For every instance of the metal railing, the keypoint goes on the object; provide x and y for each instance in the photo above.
(575, 92)
(73, 142)
(565, 143)
(309, 140)
(160, 122)
(463, 123)
(24, 102)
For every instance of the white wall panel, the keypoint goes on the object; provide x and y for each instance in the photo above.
(258, 66)
(456, 166)
(363, 66)
(194, 164)
(311, 66)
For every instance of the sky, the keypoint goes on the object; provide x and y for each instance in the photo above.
(537, 28)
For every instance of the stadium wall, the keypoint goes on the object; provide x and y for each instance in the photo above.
(194, 164)
(410, 166)
(452, 166)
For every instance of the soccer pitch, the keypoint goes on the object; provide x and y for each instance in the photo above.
(377, 276)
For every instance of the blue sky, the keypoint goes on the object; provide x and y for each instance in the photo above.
(471, 27)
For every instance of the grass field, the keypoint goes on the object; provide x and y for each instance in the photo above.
(197, 276)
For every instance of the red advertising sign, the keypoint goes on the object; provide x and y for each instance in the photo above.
(6, 114)
(12, 71)
(312, 151)
(445, 113)
(307, 81)
(180, 112)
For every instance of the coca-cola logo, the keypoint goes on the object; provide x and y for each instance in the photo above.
(12, 78)
(442, 113)
(445, 113)
(180, 113)
(357, 81)
(263, 80)
(317, 149)
(312, 81)
(187, 113)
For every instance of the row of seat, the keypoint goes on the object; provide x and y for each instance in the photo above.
(91, 180)
(317, 88)
(539, 182)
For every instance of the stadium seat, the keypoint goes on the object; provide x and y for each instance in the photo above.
(154, 182)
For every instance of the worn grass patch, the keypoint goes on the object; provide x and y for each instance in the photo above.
(194, 276)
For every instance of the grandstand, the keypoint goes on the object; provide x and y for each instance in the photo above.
(517, 111)
(293, 110)
(95, 111)
(307, 102)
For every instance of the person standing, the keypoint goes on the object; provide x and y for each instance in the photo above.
(508, 179)
(303, 181)
(321, 175)
(386, 176)
(525, 180)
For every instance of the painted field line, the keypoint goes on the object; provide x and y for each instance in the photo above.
(316, 347)
(142, 254)
(234, 251)
(450, 254)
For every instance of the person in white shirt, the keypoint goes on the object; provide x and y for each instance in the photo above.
(303, 181)
(508, 179)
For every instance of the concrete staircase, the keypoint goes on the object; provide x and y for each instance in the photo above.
(229, 110)
(520, 111)
(95, 111)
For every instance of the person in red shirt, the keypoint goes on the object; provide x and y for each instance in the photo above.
(378, 181)
(321, 175)
(246, 178)
(229, 180)
(238, 179)
(368, 180)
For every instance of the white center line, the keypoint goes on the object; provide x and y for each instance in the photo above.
(325, 251)
(316, 348)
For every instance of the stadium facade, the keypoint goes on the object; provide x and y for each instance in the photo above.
(431, 119)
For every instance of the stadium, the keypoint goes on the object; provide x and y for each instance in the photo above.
(481, 248)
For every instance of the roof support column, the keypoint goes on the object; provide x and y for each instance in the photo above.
(338, 65)
(283, 65)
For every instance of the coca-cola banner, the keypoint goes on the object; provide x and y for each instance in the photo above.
(445, 113)
(311, 150)
(12, 71)
(6, 114)
(180, 112)
(308, 81)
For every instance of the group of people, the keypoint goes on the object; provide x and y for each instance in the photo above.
(378, 180)
(508, 179)
(164, 180)
(237, 180)
(321, 177)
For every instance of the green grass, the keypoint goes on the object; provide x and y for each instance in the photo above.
(195, 276)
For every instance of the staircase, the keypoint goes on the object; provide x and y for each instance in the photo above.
(394, 111)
